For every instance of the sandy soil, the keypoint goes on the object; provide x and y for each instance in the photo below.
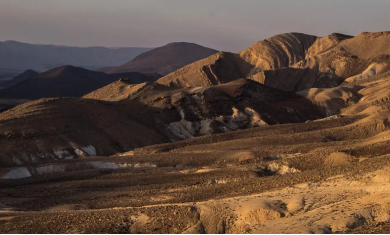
(308, 177)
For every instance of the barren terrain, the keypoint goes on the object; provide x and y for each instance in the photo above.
(234, 143)
(308, 177)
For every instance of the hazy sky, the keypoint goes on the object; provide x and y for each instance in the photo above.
(229, 25)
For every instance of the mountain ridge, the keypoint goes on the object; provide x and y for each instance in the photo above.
(165, 59)
(22, 56)
(290, 62)
(29, 73)
(67, 81)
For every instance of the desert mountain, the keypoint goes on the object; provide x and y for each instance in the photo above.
(209, 97)
(330, 65)
(279, 51)
(216, 69)
(289, 62)
(67, 81)
(18, 57)
(165, 59)
(20, 78)
(328, 175)
(123, 116)
(313, 157)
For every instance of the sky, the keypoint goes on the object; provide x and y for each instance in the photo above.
(228, 25)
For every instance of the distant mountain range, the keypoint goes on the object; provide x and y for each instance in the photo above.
(164, 60)
(76, 81)
(16, 57)
(287, 78)
(66, 81)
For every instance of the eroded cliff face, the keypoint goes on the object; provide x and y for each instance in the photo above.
(290, 62)
(276, 52)
(329, 61)
(280, 51)
(237, 105)
(219, 68)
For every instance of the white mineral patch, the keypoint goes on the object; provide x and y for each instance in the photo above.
(182, 129)
(17, 161)
(23, 172)
(205, 127)
(61, 154)
(18, 173)
(58, 154)
(232, 125)
(185, 129)
(34, 158)
(90, 150)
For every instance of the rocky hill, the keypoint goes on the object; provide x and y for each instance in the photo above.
(165, 59)
(289, 62)
(277, 52)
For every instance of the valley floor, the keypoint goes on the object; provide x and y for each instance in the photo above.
(316, 177)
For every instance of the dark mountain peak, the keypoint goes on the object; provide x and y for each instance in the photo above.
(179, 43)
(174, 48)
(71, 68)
(11, 42)
(182, 44)
(66, 70)
(165, 59)
(67, 81)
(28, 72)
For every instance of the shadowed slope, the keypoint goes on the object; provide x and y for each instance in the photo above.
(123, 116)
(67, 81)
(217, 69)
(20, 78)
